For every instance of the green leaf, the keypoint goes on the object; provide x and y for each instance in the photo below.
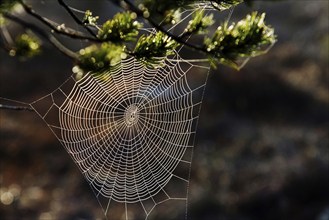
(248, 38)
(199, 23)
(122, 27)
(152, 48)
(172, 16)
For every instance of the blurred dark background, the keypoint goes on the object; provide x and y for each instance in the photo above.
(262, 148)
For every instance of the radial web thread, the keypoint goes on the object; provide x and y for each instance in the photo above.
(131, 132)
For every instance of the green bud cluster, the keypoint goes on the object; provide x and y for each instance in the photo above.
(89, 19)
(199, 23)
(25, 46)
(247, 38)
(7, 5)
(100, 57)
(152, 48)
(122, 27)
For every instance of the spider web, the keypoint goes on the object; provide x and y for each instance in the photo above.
(131, 130)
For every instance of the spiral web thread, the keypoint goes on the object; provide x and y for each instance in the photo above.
(131, 130)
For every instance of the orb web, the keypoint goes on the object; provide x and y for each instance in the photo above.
(130, 130)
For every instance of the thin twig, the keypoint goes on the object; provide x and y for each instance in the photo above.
(60, 29)
(75, 18)
(16, 108)
(45, 35)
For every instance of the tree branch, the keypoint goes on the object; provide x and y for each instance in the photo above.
(178, 39)
(43, 34)
(60, 29)
(75, 18)
(77, 35)
(16, 108)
